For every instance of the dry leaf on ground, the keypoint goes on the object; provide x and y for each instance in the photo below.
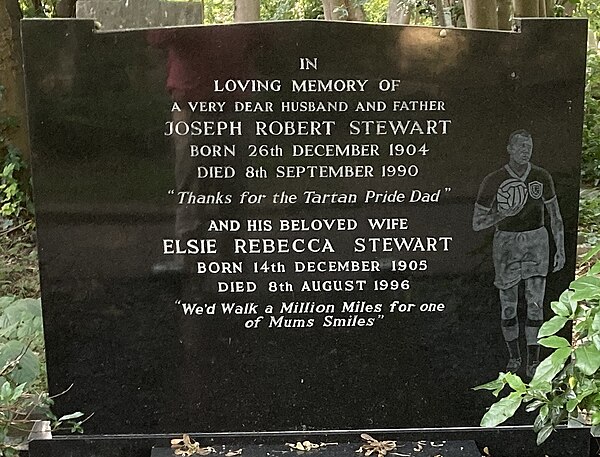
(187, 446)
(374, 446)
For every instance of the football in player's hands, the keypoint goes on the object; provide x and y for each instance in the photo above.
(511, 197)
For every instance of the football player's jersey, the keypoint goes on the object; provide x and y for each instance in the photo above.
(539, 189)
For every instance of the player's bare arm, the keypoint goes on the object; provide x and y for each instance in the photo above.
(484, 218)
(558, 233)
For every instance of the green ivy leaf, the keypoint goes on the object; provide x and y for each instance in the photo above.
(592, 252)
(596, 322)
(496, 385)
(555, 342)
(534, 405)
(596, 418)
(587, 359)
(5, 392)
(586, 388)
(502, 410)
(19, 390)
(582, 327)
(71, 416)
(572, 404)
(515, 382)
(560, 308)
(552, 326)
(5, 301)
(586, 288)
(550, 366)
(539, 388)
(566, 301)
(28, 368)
(543, 434)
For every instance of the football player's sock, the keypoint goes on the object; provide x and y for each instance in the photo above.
(533, 354)
(510, 328)
(532, 327)
(513, 349)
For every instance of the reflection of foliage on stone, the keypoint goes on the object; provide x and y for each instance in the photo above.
(374, 446)
(187, 446)
(566, 384)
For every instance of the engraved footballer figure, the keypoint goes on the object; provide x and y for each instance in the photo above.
(514, 199)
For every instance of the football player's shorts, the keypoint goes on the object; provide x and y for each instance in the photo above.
(520, 255)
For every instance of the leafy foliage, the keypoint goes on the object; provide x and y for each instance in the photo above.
(14, 198)
(218, 11)
(589, 216)
(18, 262)
(15, 201)
(274, 10)
(590, 167)
(21, 337)
(589, 9)
(23, 397)
(376, 10)
(568, 380)
(221, 11)
(38, 8)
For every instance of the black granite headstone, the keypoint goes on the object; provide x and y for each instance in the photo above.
(290, 226)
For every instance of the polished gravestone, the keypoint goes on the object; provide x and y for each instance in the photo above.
(244, 229)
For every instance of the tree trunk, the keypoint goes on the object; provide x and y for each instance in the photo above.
(65, 8)
(439, 7)
(398, 13)
(481, 14)
(342, 10)
(569, 9)
(246, 11)
(38, 8)
(394, 11)
(329, 10)
(526, 8)
(542, 8)
(12, 102)
(458, 16)
(405, 16)
(504, 14)
(355, 12)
